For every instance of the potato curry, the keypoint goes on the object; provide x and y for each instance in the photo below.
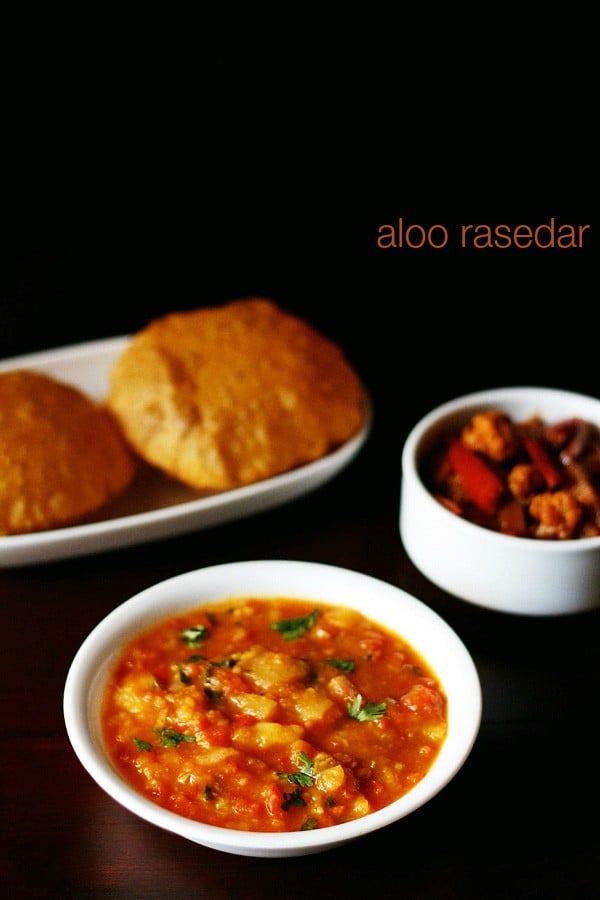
(273, 715)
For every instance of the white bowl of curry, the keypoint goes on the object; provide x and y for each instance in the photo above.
(500, 500)
(272, 708)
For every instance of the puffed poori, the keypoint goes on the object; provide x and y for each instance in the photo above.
(62, 456)
(220, 397)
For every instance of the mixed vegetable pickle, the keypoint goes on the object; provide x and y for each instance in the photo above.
(528, 479)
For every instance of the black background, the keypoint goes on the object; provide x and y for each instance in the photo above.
(157, 177)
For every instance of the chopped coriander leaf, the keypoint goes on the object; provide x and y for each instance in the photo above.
(304, 776)
(171, 738)
(344, 665)
(194, 635)
(183, 676)
(298, 778)
(142, 745)
(292, 629)
(213, 696)
(293, 799)
(370, 711)
(308, 764)
(309, 825)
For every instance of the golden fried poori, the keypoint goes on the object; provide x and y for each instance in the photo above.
(62, 456)
(221, 397)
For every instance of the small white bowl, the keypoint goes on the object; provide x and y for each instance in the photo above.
(522, 576)
(380, 601)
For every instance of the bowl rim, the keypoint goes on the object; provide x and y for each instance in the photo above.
(463, 405)
(92, 663)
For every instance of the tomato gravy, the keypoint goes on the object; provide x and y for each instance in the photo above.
(272, 715)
